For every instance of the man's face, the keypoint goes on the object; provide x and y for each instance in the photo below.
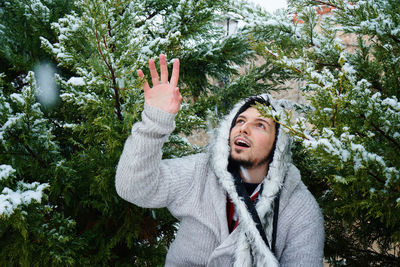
(252, 138)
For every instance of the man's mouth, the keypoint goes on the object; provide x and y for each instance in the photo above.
(242, 142)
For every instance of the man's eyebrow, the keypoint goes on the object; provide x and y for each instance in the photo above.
(264, 120)
(257, 119)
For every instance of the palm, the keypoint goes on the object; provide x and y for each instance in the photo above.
(163, 95)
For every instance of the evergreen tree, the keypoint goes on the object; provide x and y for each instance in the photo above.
(21, 25)
(348, 139)
(257, 76)
(34, 231)
(58, 204)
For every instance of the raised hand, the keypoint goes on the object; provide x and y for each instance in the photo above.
(163, 95)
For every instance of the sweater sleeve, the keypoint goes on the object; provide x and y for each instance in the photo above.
(305, 240)
(142, 177)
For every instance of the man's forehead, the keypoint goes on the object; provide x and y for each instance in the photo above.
(251, 111)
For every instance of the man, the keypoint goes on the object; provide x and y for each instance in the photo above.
(240, 204)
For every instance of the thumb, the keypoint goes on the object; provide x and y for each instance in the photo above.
(146, 86)
(178, 94)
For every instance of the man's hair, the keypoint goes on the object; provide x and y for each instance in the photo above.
(253, 100)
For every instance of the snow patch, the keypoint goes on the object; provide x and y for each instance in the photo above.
(6, 171)
(76, 81)
(25, 194)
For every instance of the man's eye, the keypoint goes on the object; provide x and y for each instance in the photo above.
(239, 121)
(260, 125)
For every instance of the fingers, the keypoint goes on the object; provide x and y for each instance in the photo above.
(164, 69)
(153, 71)
(175, 73)
(146, 86)
(164, 72)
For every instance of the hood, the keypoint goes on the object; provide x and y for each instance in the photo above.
(220, 151)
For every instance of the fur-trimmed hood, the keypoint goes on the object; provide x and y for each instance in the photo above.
(249, 239)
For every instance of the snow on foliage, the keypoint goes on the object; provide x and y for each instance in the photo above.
(38, 9)
(6, 171)
(76, 81)
(379, 22)
(347, 113)
(354, 153)
(26, 112)
(24, 195)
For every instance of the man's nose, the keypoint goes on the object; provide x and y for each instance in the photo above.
(244, 128)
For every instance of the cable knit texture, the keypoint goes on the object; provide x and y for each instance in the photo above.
(194, 189)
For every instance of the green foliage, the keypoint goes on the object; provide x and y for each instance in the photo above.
(348, 140)
(21, 24)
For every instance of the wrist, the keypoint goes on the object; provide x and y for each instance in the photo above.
(158, 115)
(169, 109)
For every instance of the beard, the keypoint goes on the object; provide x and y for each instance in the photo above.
(248, 163)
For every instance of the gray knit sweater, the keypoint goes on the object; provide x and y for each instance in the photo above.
(195, 189)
